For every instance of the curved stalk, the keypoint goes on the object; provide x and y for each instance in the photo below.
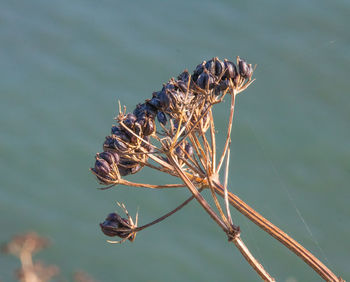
(237, 240)
(234, 235)
(278, 234)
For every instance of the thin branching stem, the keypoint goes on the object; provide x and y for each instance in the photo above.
(233, 235)
(229, 129)
(228, 212)
(167, 214)
(278, 234)
(213, 140)
(196, 193)
(265, 276)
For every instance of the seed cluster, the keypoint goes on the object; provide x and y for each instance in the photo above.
(112, 225)
(186, 99)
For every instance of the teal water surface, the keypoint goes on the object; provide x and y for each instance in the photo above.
(65, 64)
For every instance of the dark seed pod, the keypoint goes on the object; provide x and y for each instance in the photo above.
(230, 70)
(149, 127)
(145, 108)
(127, 167)
(115, 130)
(211, 81)
(137, 128)
(182, 86)
(151, 111)
(198, 70)
(162, 118)
(121, 133)
(223, 85)
(146, 145)
(169, 86)
(102, 167)
(129, 120)
(139, 110)
(210, 66)
(112, 223)
(119, 145)
(215, 66)
(236, 80)
(154, 102)
(136, 169)
(175, 97)
(109, 142)
(179, 152)
(219, 67)
(243, 68)
(189, 149)
(110, 157)
(124, 171)
(164, 99)
(205, 79)
(250, 71)
(185, 79)
(103, 179)
(141, 120)
(184, 76)
(202, 80)
(124, 167)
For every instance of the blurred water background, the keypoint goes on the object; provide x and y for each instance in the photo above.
(63, 67)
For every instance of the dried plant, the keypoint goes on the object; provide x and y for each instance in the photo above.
(174, 132)
(24, 246)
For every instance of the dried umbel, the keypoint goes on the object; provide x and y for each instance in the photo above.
(174, 132)
(183, 102)
(115, 225)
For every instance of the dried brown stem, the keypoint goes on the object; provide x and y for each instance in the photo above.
(167, 214)
(278, 234)
(237, 240)
(196, 194)
(228, 212)
(229, 129)
(227, 229)
(144, 185)
(213, 140)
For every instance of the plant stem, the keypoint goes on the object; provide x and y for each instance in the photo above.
(167, 214)
(278, 234)
(233, 236)
(237, 240)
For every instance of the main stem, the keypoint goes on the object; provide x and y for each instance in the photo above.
(235, 237)
(237, 240)
(278, 234)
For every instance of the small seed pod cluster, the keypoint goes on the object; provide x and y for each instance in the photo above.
(184, 100)
(105, 166)
(115, 225)
(128, 144)
(216, 74)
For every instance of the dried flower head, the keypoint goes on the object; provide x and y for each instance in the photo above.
(164, 122)
(115, 225)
